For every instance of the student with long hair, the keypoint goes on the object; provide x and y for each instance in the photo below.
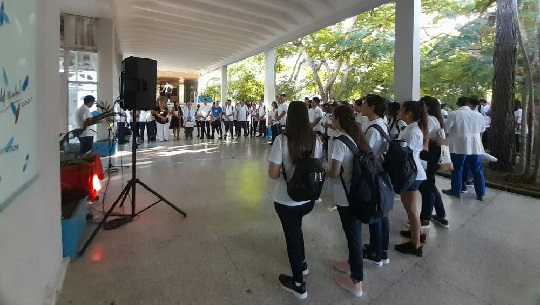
(299, 142)
(274, 121)
(431, 198)
(376, 251)
(343, 121)
(395, 125)
(413, 113)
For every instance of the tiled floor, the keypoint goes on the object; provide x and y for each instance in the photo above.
(230, 248)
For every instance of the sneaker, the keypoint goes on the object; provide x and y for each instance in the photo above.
(371, 257)
(479, 197)
(305, 270)
(347, 283)
(440, 221)
(342, 266)
(407, 234)
(384, 257)
(450, 193)
(409, 248)
(288, 284)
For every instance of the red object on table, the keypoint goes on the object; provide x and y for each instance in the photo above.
(85, 174)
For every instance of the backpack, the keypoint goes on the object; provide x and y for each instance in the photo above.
(307, 180)
(398, 162)
(370, 195)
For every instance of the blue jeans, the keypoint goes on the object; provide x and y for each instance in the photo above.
(379, 235)
(474, 164)
(291, 221)
(353, 232)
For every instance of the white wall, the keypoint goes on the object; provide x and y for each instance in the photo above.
(30, 233)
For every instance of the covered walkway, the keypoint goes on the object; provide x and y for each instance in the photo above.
(230, 249)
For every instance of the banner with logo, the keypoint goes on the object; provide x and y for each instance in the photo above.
(17, 98)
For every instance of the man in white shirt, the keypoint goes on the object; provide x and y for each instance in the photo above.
(229, 118)
(282, 112)
(242, 114)
(83, 118)
(485, 110)
(262, 118)
(205, 116)
(464, 128)
(316, 116)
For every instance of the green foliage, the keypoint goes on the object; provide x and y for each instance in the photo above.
(243, 79)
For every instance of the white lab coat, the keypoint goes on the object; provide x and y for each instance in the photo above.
(464, 128)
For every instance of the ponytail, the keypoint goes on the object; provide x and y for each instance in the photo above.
(419, 113)
(344, 115)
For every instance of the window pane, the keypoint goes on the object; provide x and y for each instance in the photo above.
(88, 63)
(76, 94)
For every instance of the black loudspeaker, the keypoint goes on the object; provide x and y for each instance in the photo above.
(138, 83)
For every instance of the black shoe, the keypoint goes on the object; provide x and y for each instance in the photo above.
(425, 224)
(305, 270)
(409, 248)
(440, 221)
(407, 234)
(450, 193)
(479, 197)
(371, 257)
(202, 138)
(288, 284)
(384, 257)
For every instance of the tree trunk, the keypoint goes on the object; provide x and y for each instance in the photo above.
(504, 61)
(528, 98)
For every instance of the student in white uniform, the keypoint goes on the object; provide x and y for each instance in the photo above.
(360, 117)
(205, 116)
(485, 110)
(274, 121)
(261, 113)
(189, 120)
(379, 231)
(242, 115)
(395, 125)
(464, 128)
(316, 116)
(282, 112)
(518, 114)
(83, 118)
(162, 116)
(229, 119)
(120, 119)
(431, 198)
(299, 141)
(413, 113)
(342, 161)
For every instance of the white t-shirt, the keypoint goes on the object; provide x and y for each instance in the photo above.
(121, 113)
(341, 152)
(327, 119)
(374, 138)
(204, 111)
(313, 115)
(242, 113)
(262, 112)
(363, 121)
(484, 110)
(283, 107)
(81, 115)
(415, 140)
(434, 128)
(279, 155)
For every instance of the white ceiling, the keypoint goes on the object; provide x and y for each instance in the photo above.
(199, 36)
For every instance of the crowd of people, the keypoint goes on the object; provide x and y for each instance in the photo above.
(305, 129)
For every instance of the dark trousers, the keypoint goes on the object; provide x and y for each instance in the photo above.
(205, 129)
(241, 124)
(291, 221)
(262, 127)
(121, 132)
(142, 127)
(134, 127)
(198, 125)
(229, 125)
(353, 232)
(474, 163)
(253, 130)
(86, 144)
(485, 138)
(188, 132)
(431, 197)
(152, 130)
(216, 126)
(379, 235)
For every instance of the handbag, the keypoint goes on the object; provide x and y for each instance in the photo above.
(445, 163)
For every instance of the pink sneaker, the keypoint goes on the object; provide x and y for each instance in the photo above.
(342, 266)
(346, 282)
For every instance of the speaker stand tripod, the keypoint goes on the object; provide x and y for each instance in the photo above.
(130, 187)
(110, 167)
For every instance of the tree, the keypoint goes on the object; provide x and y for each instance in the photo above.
(504, 62)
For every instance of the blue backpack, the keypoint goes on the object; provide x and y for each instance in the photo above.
(370, 195)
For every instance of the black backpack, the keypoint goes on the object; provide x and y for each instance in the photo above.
(307, 180)
(370, 196)
(398, 162)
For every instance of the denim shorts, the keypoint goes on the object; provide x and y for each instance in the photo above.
(414, 186)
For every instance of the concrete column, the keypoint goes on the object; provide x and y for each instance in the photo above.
(106, 67)
(224, 84)
(407, 51)
(269, 77)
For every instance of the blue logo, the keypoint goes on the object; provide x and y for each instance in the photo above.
(3, 16)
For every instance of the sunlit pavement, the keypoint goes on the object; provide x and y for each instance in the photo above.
(230, 249)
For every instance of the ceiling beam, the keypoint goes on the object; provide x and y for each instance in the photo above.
(287, 5)
(214, 10)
